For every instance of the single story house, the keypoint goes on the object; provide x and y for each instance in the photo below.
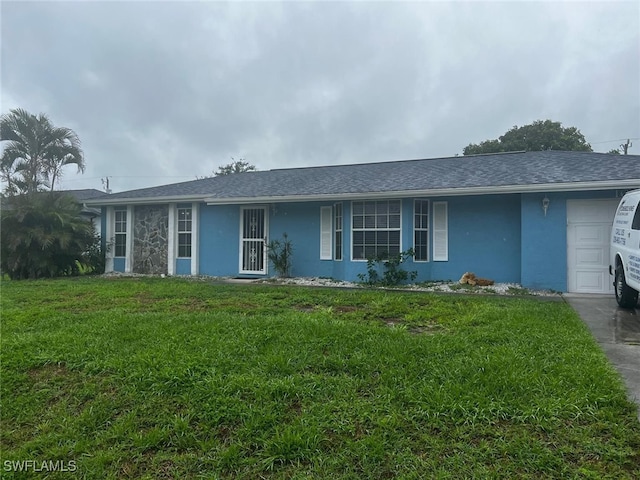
(541, 219)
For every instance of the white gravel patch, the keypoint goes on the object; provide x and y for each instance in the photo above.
(443, 287)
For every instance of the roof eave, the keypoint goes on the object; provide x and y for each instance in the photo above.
(434, 192)
(146, 200)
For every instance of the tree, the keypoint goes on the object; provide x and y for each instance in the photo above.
(36, 151)
(614, 151)
(237, 166)
(540, 135)
(43, 235)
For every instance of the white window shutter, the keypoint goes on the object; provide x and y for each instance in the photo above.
(326, 252)
(440, 232)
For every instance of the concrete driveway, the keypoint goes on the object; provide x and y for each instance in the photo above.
(617, 330)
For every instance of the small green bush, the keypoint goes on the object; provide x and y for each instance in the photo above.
(279, 253)
(392, 274)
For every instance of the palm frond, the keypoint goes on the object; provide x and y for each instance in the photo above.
(39, 149)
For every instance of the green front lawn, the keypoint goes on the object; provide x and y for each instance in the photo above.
(171, 378)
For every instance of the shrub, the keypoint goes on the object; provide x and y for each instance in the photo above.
(279, 253)
(96, 255)
(393, 274)
(43, 235)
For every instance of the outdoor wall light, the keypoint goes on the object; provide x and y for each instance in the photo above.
(545, 205)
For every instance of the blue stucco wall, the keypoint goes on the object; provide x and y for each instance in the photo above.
(544, 242)
(118, 264)
(219, 240)
(183, 266)
(544, 238)
(301, 222)
(503, 237)
(484, 238)
(220, 230)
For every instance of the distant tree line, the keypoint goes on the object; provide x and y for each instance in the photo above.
(538, 136)
(236, 166)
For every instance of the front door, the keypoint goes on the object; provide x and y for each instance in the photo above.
(253, 240)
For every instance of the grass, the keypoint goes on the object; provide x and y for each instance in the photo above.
(169, 378)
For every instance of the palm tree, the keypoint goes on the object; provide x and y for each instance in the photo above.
(36, 151)
(43, 235)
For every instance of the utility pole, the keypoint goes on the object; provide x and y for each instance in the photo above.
(105, 184)
(625, 146)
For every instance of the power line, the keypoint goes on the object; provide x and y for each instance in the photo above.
(151, 176)
(617, 140)
(126, 176)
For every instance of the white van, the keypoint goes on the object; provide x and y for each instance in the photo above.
(625, 250)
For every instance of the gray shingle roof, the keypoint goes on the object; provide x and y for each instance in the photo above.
(79, 195)
(518, 169)
(85, 194)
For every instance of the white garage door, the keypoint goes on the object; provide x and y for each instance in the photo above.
(588, 235)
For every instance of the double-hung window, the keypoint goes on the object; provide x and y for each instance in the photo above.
(337, 231)
(375, 229)
(184, 232)
(421, 230)
(120, 232)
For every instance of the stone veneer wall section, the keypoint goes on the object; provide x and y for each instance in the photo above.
(150, 239)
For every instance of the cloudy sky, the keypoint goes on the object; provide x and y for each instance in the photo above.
(162, 92)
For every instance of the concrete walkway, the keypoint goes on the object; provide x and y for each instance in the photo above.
(617, 331)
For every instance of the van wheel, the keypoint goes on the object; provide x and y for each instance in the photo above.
(626, 296)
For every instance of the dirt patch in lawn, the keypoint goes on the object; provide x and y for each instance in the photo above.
(345, 308)
(427, 329)
(48, 371)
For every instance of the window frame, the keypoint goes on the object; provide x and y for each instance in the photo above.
(120, 232)
(371, 214)
(184, 228)
(338, 232)
(423, 212)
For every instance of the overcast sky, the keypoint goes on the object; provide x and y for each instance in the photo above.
(162, 92)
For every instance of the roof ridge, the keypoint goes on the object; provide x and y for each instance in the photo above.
(503, 153)
(407, 160)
